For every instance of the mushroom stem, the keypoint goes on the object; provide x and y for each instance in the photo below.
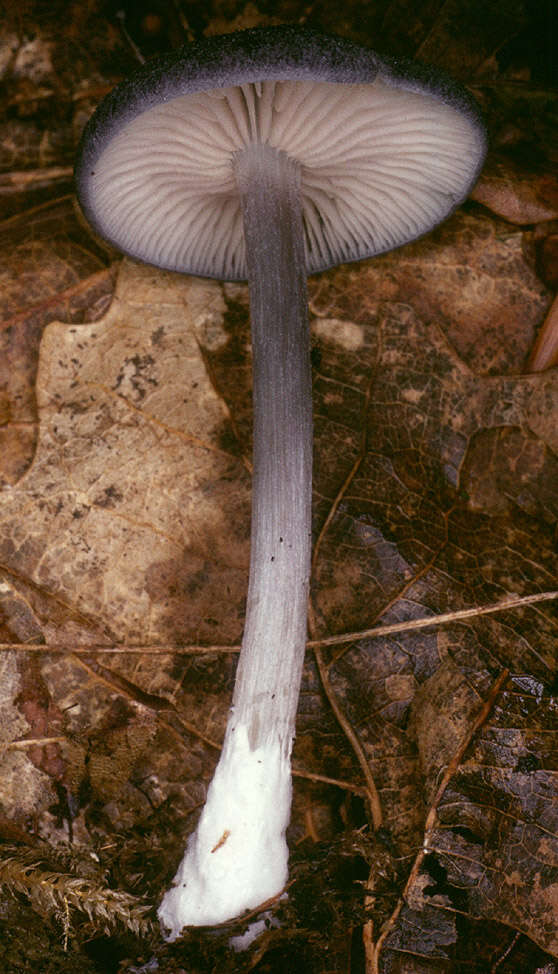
(238, 857)
(270, 665)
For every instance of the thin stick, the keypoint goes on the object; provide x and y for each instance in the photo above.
(370, 785)
(516, 602)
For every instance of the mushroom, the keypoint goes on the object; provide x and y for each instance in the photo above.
(268, 155)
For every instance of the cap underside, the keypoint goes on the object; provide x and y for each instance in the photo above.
(380, 165)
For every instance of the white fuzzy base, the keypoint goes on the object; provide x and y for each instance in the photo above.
(237, 858)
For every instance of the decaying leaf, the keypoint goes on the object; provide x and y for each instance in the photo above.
(135, 523)
(39, 279)
(495, 799)
(454, 500)
(470, 276)
(130, 500)
(124, 521)
(520, 197)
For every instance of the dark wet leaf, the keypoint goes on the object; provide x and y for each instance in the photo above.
(124, 519)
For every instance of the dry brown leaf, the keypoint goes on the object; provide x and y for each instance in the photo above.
(130, 500)
(545, 352)
(518, 196)
(455, 501)
(435, 475)
(499, 799)
(132, 525)
(470, 275)
(42, 275)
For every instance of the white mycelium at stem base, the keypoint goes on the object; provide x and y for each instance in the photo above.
(237, 858)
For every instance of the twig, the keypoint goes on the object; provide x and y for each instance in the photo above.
(370, 785)
(513, 602)
(343, 721)
(148, 649)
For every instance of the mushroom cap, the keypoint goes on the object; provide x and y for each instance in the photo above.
(387, 149)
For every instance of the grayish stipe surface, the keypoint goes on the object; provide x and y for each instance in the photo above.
(269, 670)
